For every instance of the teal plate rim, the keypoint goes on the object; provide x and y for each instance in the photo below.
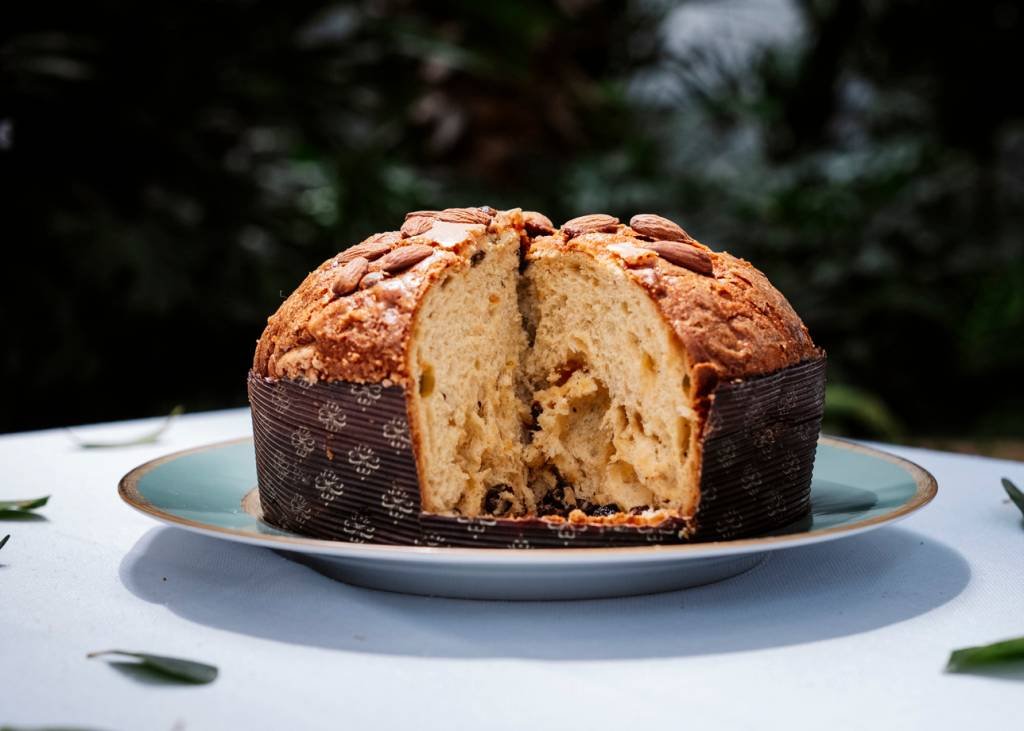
(926, 489)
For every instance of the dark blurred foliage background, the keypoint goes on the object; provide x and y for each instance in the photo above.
(170, 170)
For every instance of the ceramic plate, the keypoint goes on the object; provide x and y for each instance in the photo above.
(210, 490)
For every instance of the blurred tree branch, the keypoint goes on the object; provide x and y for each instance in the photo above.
(170, 171)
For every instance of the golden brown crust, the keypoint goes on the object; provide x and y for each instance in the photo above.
(732, 323)
(363, 337)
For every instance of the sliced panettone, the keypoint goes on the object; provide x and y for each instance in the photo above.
(593, 376)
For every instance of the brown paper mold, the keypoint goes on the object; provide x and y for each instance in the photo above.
(335, 460)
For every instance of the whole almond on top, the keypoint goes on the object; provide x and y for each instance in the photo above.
(537, 224)
(684, 255)
(348, 276)
(404, 257)
(589, 224)
(373, 248)
(428, 214)
(416, 225)
(658, 228)
(465, 215)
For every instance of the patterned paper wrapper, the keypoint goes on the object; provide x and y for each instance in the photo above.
(335, 461)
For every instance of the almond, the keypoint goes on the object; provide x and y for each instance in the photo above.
(416, 225)
(658, 228)
(685, 255)
(348, 276)
(428, 214)
(465, 215)
(404, 257)
(373, 248)
(589, 224)
(537, 224)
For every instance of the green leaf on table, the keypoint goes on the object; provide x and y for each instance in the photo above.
(1015, 494)
(3, 541)
(986, 656)
(173, 668)
(30, 504)
(21, 508)
(147, 438)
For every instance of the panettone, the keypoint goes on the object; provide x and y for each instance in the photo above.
(481, 378)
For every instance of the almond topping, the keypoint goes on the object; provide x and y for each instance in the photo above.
(416, 225)
(658, 228)
(537, 224)
(404, 257)
(348, 276)
(373, 248)
(685, 255)
(465, 215)
(589, 224)
(427, 214)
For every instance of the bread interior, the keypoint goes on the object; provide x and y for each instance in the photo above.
(615, 430)
(575, 398)
(466, 356)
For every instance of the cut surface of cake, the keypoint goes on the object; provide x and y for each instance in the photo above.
(620, 383)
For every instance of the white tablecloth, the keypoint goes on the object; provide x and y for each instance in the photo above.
(847, 635)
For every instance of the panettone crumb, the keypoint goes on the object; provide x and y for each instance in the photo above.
(610, 393)
(593, 413)
(467, 345)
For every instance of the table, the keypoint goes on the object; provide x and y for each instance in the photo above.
(847, 635)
